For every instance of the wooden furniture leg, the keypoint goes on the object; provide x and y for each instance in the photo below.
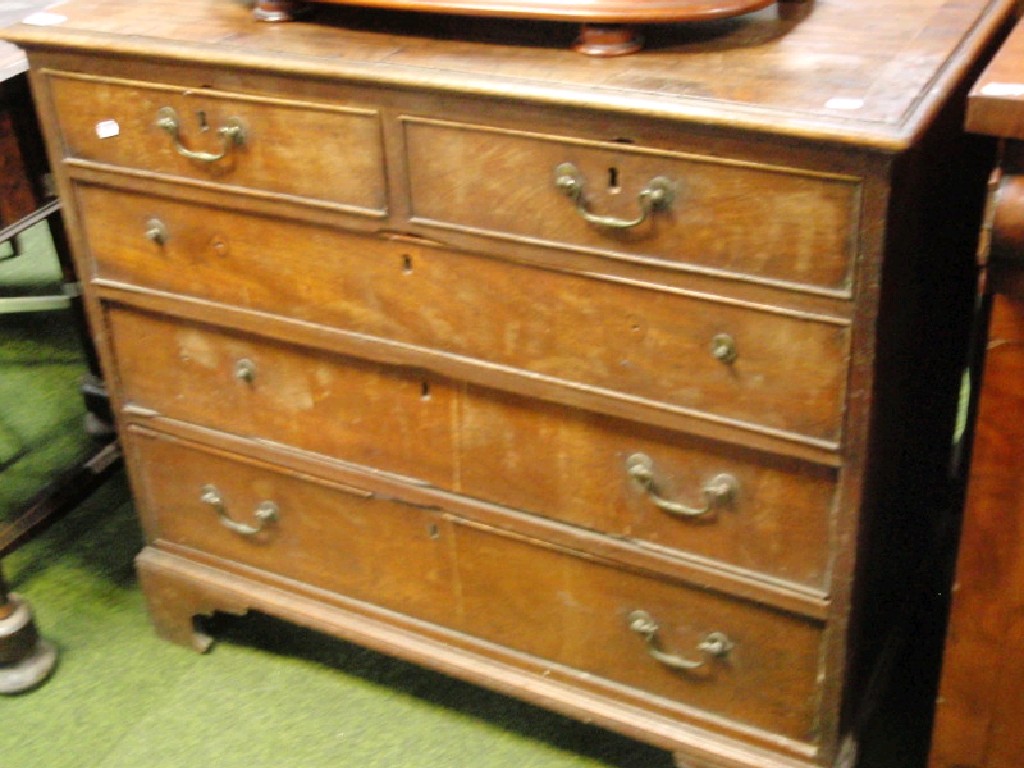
(608, 40)
(26, 659)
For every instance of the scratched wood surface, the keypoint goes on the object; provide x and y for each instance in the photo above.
(854, 70)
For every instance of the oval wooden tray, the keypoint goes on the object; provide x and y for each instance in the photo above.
(606, 23)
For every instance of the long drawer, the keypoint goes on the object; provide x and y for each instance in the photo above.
(750, 665)
(755, 221)
(558, 462)
(124, 124)
(754, 367)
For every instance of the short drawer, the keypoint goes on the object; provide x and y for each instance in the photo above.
(754, 367)
(580, 613)
(765, 222)
(124, 123)
(316, 532)
(377, 416)
(760, 513)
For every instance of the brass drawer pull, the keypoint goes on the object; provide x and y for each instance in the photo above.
(245, 370)
(723, 348)
(231, 135)
(718, 490)
(658, 194)
(714, 645)
(265, 512)
(156, 232)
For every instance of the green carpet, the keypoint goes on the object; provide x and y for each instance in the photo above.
(40, 367)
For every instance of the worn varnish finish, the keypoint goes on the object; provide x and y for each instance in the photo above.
(479, 432)
(981, 697)
(982, 694)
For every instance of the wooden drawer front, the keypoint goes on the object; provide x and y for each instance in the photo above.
(771, 224)
(651, 345)
(353, 410)
(114, 122)
(325, 535)
(576, 612)
(545, 602)
(575, 466)
(562, 463)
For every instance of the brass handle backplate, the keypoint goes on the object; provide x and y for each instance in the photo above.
(265, 512)
(714, 645)
(231, 135)
(658, 194)
(717, 491)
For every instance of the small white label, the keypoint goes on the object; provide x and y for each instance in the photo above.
(844, 103)
(1003, 89)
(108, 129)
(44, 19)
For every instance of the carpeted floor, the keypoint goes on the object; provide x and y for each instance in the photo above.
(270, 695)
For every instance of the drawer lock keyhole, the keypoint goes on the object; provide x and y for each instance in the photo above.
(613, 181)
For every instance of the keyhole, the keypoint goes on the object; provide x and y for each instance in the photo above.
(433, 531)
(425, 390)
(613, 181)
(407, 264)
(201, 118)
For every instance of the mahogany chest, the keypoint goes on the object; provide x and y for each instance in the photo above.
(981, 695)
(625, 386)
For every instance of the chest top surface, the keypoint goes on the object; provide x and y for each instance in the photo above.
(865, 72)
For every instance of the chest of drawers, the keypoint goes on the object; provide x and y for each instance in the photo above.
(623, 386)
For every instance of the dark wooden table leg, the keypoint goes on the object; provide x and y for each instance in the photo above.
(99, 419)
(26, 659)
